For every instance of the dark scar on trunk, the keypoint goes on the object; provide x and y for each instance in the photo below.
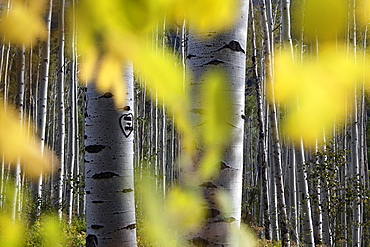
(105, 175)
(94, 148)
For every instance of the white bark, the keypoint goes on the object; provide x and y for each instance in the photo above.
(59, 176)
(285, 25)
(207, 51)
(293, 200)
(305, 203)
(110, 207)
(43, 91)
(274, 128)
(20, 104)
(262, 134)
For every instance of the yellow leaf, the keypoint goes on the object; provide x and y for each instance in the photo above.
(325, 19)
(11, 232)
(210, 163)
(185, 209)
(23, 25)
(16, 143)
(206, 15)
(110, 78)
(51, 231)
(217, 109)
(156, 227)
(363, 12)
(165, 82)
(317, 93)
(243, 235)
(89, 57)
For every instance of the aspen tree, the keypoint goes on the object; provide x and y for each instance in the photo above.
(208, 50)
(43, 91)
(61, 110)
(261, 126)
(20, 106)
(110, 207)
(276, 145)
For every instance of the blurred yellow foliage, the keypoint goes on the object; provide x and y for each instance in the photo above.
(206, 15)
(324, 19)
(215, 121)
(23, 24)
(156, 226)
(109, 78)
(185, 209)
(52, 231)
(16, 143)
(11, 232)
(122, 28)
(317, 92)
(363, 12)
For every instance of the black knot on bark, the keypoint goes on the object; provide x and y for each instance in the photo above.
(96, 227)
(234, 46)
(105, 175)
(127, 190)
(214, 62)
(212, 213)
(200, 242)
(224, 165)
(107, 95)
(208, 185)
(132, 226)
(190, 56)
(94, 148)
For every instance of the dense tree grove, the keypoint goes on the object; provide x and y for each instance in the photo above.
(238, 123)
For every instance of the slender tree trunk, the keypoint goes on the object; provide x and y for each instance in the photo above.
(20, 105)
(43, 92)
(293, 191)
(274, 130)
(261, 127)
(319, 192)
(72, 149)
(61, 111)
(285, 25)
(110, 207)
(304, 200)
(356, 219)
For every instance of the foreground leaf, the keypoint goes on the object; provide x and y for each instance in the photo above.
(317, 93)
(16, 143)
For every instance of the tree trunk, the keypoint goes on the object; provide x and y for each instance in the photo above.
(207, 51)
(274, 130)
(304, 200)
(59, 176)
(261, 128)
(43, 93)
(110, 207)
(20, 105)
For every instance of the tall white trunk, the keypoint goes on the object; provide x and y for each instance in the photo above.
(304, 200)
(274, 128)
(262, 133)
(110, 207)
(211, 50)
(20, 104)
(293, 201)
(59, 176)
(285, 25)
(43, 91)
